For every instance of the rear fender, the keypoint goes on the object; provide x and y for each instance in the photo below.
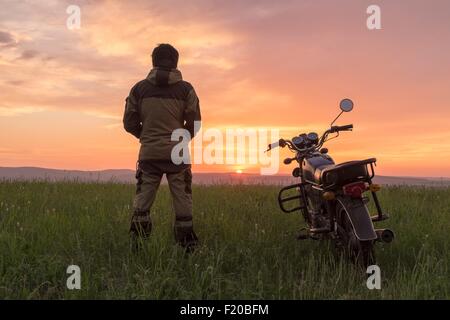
(359, 217)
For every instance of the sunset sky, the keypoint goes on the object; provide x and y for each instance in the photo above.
(264, 64)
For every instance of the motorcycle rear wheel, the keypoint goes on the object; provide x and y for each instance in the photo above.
(362, 253)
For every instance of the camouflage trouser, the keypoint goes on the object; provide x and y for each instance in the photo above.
(180, 188)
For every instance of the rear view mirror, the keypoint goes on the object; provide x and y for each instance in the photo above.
(346, 105)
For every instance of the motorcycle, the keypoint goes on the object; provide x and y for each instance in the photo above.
(332, 197)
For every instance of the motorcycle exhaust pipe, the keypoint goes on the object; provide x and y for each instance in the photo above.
(385, 235)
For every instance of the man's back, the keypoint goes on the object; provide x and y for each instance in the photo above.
(157, 106)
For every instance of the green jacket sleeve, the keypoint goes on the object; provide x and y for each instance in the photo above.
(192, 113)
(131, 118)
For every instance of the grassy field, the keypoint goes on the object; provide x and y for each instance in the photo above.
(248, 247)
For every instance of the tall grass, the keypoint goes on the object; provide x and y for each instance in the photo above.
(248, 248)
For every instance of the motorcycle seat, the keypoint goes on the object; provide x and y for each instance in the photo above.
(343, 171)
(319, 171)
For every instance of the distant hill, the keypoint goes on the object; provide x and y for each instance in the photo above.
(127, 176)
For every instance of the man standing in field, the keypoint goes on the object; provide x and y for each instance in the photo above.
(157, 106)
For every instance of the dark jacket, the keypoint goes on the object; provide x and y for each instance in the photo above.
(156, 107)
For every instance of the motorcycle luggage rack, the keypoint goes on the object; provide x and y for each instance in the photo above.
(300, 196)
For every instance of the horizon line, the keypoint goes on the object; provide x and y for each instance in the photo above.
(208, 172)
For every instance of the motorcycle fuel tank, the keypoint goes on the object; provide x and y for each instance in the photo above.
(314, 163)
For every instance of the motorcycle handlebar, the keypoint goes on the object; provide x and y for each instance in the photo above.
(273, 145)
(341, 128)
(280, 143)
